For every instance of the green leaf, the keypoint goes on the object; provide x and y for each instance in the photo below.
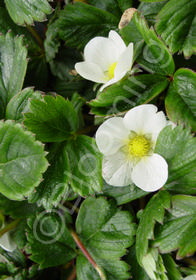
(128, 93)
(178, 148)
(77, 30)
(13, 64)
(106, 232)
(176, 23)
(51, 119)
(155, 56)
(85, 165)
(137, 272)
(125, 4)
(115, 7)
(123, 195)
(52, 41)
(17, 209)
(49, 240)
(15, 257)
(55, 183)
(154, 211)
(22, 12)
(19, 104)
(178, 230)
(22, 161)
(171, 268)
(7, 24)
(180, 101)
(64, 62)
(150, 10)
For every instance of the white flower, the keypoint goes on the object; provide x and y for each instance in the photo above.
(128, 147)
(107, 60)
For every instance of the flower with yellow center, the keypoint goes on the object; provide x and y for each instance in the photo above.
(128, 147)
(107, 60)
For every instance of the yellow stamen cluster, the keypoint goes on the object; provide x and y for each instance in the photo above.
(111, 70)
(139, 146)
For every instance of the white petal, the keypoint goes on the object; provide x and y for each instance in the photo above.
(112, 81)
(155, 124)
(151, 173)
(90, 71)
(116, 170)
(110, 136)
(102, 51)
(136, 118)
(113, 35)
(125, 61)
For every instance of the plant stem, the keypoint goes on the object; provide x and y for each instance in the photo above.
(87, 255)
(8, 227)
(73, 274)
(36, 36)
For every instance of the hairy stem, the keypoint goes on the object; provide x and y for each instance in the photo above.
(87, 255)
(9, 227)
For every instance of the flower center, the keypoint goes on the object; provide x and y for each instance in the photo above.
(139, 146)
(111, 70)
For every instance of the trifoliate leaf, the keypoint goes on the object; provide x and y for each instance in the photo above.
(51, 119)
(176, 23)
(85, 165)
(55, 183)
(178, 148)
(13, 66)
(77, 29)
(22, 161)
(155, 57)
(123, 195)
(49, 240)
(128, 93)
(178, 230)
(180, 101)
(154, 211)
(106, 232)
(24, 12)
(19, 104)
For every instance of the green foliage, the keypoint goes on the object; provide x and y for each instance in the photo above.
(17, 209)
(49, 240)
(51, 119)
(19, 104)
(180, 222)
(85, 165)
(106, 232)
(181, 98)
(38, 188)
(77, 30)
(20, 155)
(176, 23)
(55, 183)
(23, 13)
(13, 66)
(153, 212)
(133, 91)
(155, 57)
(178, 147)
(123, 195)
